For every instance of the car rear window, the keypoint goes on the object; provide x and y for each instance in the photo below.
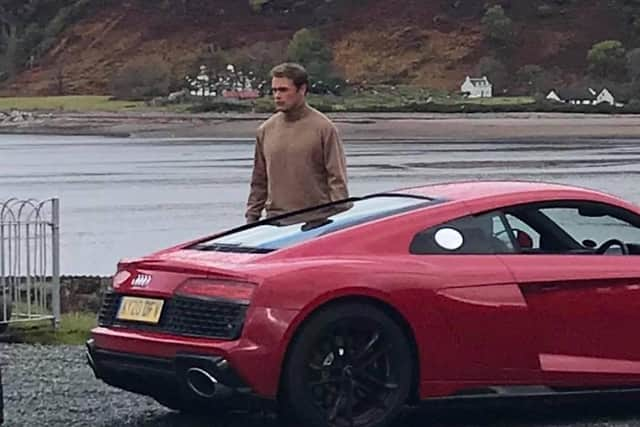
(286, 230)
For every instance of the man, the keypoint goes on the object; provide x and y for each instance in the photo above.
(299, 159)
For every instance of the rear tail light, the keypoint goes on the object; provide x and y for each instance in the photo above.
(211, 288)
(119, 278)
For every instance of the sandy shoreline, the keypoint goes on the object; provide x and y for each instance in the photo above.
(353, 126)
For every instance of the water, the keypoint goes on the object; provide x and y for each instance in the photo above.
(123, 197)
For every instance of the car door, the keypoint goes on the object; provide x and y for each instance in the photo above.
(480, 298)
(583, 297)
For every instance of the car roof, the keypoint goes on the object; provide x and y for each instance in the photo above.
(473, 190)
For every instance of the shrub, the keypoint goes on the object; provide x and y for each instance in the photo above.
(307, 47)
(498, 26)
(607, 59)
(221, 106)
(141, 79)
(495, 71)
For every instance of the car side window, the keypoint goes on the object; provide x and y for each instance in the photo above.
(574, 227)
(482, 234)
(593, 227)
(501, 232)
(523, 230)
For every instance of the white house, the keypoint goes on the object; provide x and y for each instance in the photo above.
(574, 96)
(606, 96)
(553, 96)
(476, 87)
(230, 84)
(578, 96)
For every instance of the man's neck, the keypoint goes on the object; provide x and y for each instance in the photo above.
(297, 112)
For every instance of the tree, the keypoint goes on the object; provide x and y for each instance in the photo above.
(607, 59)
(308, 48)
(494, 70)
(214, 58)
(142, 78)
(633, 64)
(30, 27)
(533, 79)
(11, 14)
(260, 57)
(498, 26)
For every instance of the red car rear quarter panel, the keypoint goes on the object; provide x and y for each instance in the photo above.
(393, 281)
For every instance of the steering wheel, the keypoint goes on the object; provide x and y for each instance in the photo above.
(604, 247)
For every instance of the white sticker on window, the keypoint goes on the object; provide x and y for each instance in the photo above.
(449, 239)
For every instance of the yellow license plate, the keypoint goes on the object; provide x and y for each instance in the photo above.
(140, 309)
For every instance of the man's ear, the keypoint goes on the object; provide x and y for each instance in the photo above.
(304, 88)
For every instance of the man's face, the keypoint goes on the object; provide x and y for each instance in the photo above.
(285, 94)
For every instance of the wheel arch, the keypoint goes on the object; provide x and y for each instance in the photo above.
(384, 306)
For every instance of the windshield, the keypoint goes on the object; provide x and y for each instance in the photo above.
(287, 230)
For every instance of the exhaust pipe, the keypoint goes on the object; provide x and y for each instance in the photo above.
(201, 382)
(90, 361)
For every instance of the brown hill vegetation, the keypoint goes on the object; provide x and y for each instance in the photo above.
(432, 43)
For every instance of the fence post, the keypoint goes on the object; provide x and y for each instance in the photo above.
(55, 268)
(3, 287)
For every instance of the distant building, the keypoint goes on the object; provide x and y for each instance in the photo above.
(607, 96)
(231, 83)
(581, 96)
(477, 87)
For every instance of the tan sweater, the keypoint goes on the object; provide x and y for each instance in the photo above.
(298, 163)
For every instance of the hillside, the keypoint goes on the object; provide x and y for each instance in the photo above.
(432, 43)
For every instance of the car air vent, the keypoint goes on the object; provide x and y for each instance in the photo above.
(199, 317)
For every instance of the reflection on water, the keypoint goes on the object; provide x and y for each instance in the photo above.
(128, 197)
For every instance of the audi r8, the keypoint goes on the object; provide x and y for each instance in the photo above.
(345, 312)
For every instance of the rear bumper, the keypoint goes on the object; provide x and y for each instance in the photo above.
(255, 360)
(188, 375)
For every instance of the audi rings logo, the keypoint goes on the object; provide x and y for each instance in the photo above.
(141, 281)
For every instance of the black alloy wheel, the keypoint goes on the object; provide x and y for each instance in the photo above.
(350, 366)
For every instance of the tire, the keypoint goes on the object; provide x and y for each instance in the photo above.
(349, 365)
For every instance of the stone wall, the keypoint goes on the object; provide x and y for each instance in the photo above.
(82, 293)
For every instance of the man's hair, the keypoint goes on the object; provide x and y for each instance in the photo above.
(293, 71)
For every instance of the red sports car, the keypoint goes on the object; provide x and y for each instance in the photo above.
(344, 312)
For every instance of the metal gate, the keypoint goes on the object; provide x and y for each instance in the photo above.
(29, 261)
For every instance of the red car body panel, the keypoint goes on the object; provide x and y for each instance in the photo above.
(477, 320)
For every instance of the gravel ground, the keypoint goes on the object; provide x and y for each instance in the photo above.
(53, 386)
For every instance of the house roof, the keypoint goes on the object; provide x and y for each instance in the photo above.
(478, 81)
(616, 94)
(575, 93)
(584, 94)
